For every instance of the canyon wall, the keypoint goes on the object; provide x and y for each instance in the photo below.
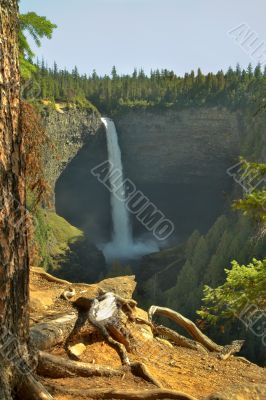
(178, 146)
(68, 131)
(178, 159)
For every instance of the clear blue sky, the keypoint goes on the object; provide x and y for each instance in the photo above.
(173, 34)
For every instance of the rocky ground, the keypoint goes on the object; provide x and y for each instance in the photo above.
(176, 368)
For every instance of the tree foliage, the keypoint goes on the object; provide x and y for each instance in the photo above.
(38, 28)
(244, 285)
(254, 202)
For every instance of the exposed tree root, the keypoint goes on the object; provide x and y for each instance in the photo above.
(48, 277)
(187, 324)
(102, 394)
(118, 336)
(48, 334)
(109, 314)
(119, 347)
(58, 367)
(141, 370)
(178, 339)
(31, 389)
(195, 332)
(231, 349)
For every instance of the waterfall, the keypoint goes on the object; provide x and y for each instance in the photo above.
(122, 245)
(122, 235)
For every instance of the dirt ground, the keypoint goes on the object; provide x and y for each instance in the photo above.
(176, 368)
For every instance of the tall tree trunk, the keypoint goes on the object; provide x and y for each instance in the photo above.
(14, 268)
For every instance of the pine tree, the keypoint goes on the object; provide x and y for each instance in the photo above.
(250, 71)
(257, 71)
(114, 73)
(38, 28)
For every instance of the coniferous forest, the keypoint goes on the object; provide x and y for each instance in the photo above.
(234, 88)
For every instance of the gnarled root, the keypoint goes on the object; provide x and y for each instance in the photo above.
(187, 324)
(195, 332)
(31, 389)
(102, 394)
(231, 349)
(119, 347)
(48, 334)
(179, 340)
(48, 277)
(140, 369)
(59, 367)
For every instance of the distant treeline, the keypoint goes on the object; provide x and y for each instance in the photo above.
(162, 89)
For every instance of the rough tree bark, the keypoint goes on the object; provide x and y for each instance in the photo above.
(14, 272)
(14, 266)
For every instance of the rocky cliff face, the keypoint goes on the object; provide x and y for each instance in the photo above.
(179, 160)
(68, 131)
(71, 131)
(178, 146)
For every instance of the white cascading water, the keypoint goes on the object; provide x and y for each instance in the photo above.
(122, 245)
(122, 235)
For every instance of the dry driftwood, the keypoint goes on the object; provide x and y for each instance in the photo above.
(105, 314)
(59, 330)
